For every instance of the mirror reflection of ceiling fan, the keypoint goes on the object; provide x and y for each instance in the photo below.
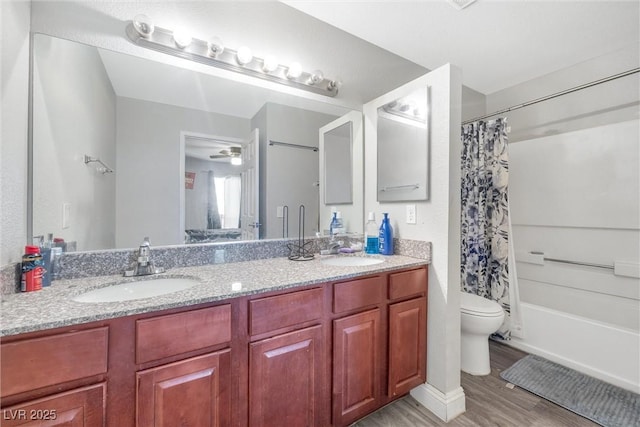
(233, 153)
(230, 152)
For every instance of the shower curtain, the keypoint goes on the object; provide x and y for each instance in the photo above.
(485, 215)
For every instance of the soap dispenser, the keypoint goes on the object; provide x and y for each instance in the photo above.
(385, 237)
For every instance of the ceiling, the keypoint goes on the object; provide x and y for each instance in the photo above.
(373, 46)
(497, 44)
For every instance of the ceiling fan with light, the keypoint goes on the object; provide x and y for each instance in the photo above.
(234, 153)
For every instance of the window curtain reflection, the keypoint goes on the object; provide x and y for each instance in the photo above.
(213, 215)
(232, 202)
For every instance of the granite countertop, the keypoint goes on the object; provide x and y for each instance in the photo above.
(53, 306)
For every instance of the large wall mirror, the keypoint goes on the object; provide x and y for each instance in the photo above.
(403, 148)
(126, 147)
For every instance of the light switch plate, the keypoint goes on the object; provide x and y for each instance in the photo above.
(411, 214)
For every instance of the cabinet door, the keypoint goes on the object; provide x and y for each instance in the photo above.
(192, 392)
(83, 407)
(407, 345)
(285, 375)
(356, 366)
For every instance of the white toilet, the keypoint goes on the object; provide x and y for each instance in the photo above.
(479, 318)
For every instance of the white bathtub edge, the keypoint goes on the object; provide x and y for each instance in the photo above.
(546, 332)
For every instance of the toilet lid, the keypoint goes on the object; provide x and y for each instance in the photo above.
(479, 306)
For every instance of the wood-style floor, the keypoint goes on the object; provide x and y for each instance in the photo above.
(489, 403)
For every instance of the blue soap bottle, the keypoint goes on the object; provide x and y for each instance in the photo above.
(385, 236)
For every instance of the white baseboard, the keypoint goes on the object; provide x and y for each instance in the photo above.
(446, 406)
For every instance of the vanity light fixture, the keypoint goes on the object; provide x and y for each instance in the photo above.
(143, 25)
(270, 64)
(244, 55)
(215, 46)
(143, 32)
(182, 38)
(407, 109)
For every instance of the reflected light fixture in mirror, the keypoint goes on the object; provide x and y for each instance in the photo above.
(182, 38)
(236, 161)
(143, 32)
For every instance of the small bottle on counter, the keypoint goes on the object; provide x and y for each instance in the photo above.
(371, 235)
(32, 269)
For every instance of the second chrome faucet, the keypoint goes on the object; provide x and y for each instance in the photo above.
(143, 265)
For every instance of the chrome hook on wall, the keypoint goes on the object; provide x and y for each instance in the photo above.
(102, 169)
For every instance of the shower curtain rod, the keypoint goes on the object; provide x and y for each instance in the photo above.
(557, 94)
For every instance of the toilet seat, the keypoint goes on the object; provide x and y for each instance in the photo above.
(475, 305)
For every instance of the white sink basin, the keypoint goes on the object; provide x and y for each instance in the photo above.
(351, 261)
(136, 290)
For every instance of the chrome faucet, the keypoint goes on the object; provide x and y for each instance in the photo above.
(143, 265)
(333, 247)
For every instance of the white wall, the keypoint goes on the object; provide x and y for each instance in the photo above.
(14, 80)
(438, 221)
(72, 74)
(149, 167)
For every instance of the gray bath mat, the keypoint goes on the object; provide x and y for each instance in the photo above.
(589, 397)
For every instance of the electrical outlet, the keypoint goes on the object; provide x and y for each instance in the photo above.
(411, 214)
(66, 215)
(279, 212)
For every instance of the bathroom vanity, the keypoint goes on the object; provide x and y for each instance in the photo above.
(305, 344)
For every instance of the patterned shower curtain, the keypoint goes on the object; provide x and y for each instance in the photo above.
(485, 214)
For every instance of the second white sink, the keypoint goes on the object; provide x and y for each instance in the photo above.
(351, 261)
(138, 289)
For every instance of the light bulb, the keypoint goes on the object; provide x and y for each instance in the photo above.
(244, 55)
(215, 46)
(316, 77)
(182, 38)
(335, 84)
(294, 71)
(269, 64)
(236, 161)
(143, 25)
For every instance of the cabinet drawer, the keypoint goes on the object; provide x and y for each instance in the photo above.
(80, 407)
(175, 334)
(357, 294)
(40, 362)
(282, 311)
(407, 283)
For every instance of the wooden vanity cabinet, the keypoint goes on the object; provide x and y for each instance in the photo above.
(327, 354)
(81, 407)
(191, 392)
(379, 348)
(407, 331)
(55, 380)
(286, 366)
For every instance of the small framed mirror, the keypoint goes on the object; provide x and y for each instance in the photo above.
(341, 171)
(403, 148)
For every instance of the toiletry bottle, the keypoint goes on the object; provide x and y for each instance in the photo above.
(334, 225)
(385, 237)
(32, 269)
(340, 224)
(371, 235)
